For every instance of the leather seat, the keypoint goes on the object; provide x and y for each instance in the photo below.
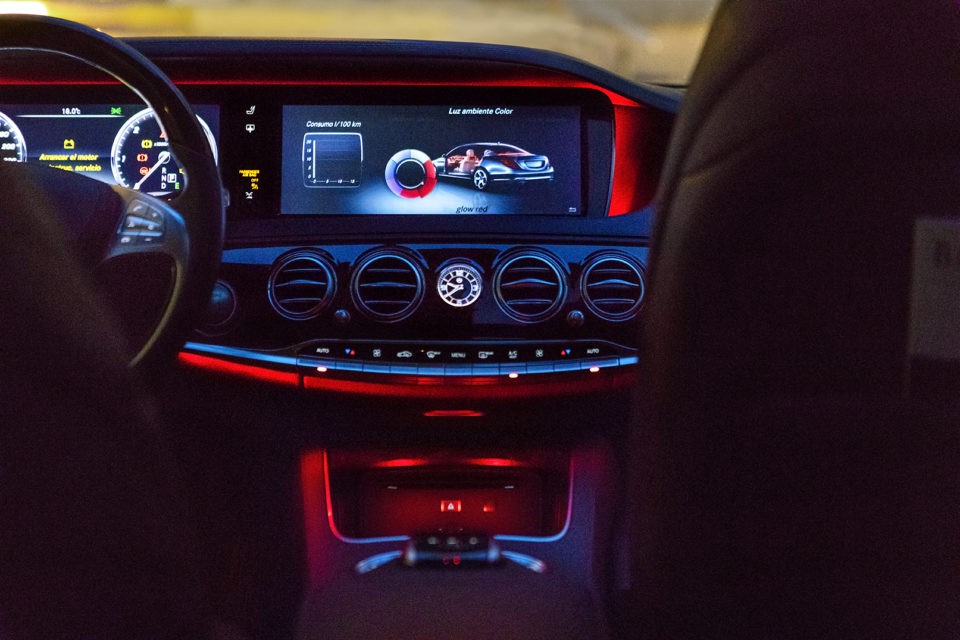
(783, 483)
(96, 537)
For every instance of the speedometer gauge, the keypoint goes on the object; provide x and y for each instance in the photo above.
(141, 157)
(12, 146)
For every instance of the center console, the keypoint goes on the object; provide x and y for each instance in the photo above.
(436, 257)
(503, 543)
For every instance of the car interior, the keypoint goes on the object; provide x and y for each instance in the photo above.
(264, 376)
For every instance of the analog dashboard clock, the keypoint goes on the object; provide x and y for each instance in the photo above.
(459, 285)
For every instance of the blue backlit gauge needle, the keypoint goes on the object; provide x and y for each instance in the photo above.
(162, 160)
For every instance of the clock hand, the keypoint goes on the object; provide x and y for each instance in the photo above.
(164, 157)
(453, 288)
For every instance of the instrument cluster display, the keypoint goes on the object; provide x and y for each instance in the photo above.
(118, 144)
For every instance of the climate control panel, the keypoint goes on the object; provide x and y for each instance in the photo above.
(444, 359)
(431, 314)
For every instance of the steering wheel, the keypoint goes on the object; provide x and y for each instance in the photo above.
(103, 221)
(98, 538)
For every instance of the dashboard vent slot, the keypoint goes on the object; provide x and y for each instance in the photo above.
(612, 286)
(530, 287)
(301, 284)
(387, 286)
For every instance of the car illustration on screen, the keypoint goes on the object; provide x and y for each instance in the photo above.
(483, 163)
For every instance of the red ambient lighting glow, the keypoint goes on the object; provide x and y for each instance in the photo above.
(402, 462)
(453, 413)
(470, 388)
(494, 462)
(227, 367)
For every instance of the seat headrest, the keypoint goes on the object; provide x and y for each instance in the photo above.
(811, 138)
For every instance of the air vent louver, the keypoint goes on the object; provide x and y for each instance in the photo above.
(301, 284)
(612, 287)
(530, 287)
(387, 286)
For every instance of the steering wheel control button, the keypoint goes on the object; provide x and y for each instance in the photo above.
(410, 174)
(141, 223)
(459, 285)
(138, 208)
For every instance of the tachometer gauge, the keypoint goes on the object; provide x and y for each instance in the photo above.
(12, 146)
(141, 157)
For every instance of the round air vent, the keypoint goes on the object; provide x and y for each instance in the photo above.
(612, 286)
(530, 286)
(301, 285)
(387, 286)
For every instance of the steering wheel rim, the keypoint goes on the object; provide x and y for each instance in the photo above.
(197, 213)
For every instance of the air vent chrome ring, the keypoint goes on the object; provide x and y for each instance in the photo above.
(301, 284)
(387, 285)
(530, 286)
(612, 286)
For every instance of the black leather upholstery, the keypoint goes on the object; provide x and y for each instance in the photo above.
(811, 137)
(783, 488)
(96, 540)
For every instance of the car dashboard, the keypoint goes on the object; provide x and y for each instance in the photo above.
(432, 287)
(360, 250)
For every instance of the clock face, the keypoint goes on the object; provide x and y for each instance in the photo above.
(459, 285)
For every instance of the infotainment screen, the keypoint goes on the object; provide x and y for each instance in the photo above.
(454, 159)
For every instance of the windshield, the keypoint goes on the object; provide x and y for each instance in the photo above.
(643, 40)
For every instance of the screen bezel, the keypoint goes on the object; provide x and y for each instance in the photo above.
(596, 138)
(432, 114)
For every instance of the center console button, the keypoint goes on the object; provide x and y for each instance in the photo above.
(458, 370)
(486, 370)
(376, 368)
(403, 369)
(485, 355)
(512, 353)
(434, 355)
(562, 366)
(459, 356)
(600, 363)
(374, 352)
(517, 368)
(536, 353)
(431, 370)
(539, 367)
(321, 349)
